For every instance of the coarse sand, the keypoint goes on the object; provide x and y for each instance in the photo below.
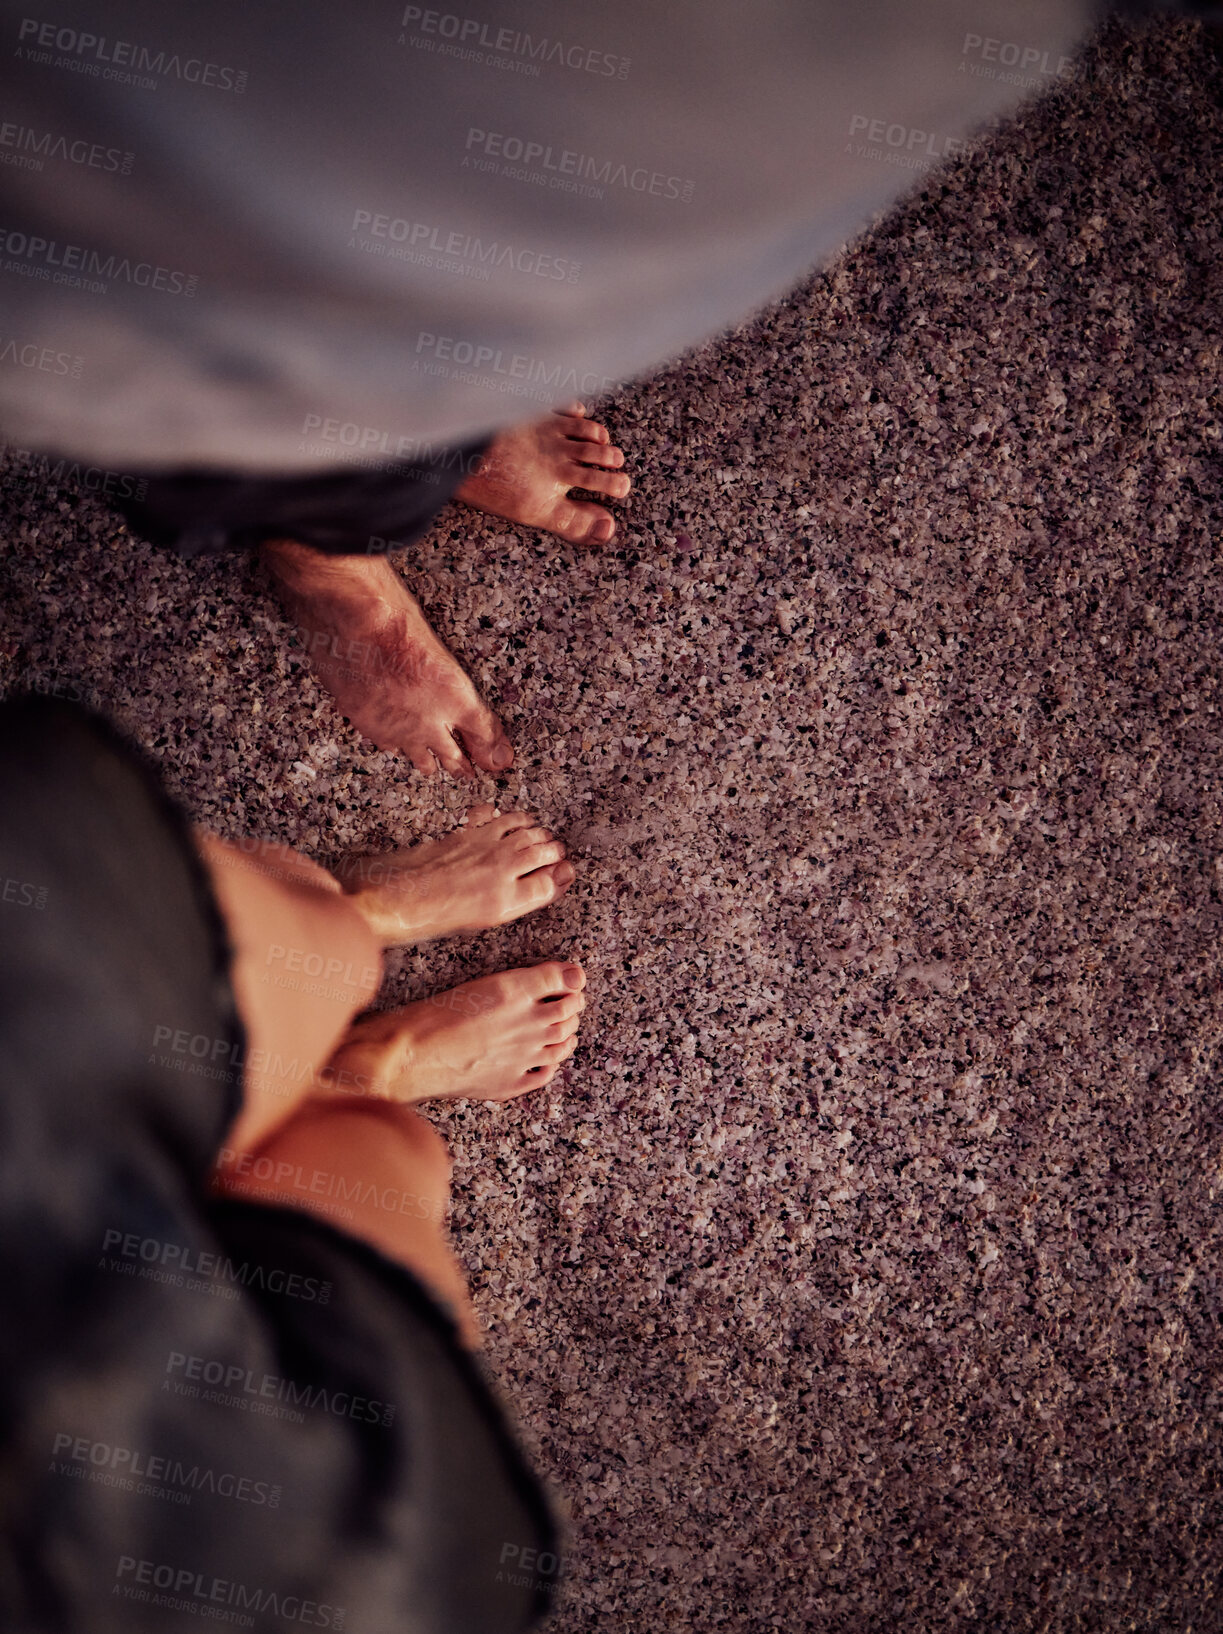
(863, 1270)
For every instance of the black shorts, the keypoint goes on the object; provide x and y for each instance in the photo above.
(354, 511)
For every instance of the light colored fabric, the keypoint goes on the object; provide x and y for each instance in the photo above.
(300, 264)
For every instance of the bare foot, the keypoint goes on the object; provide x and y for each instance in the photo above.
(527, 472)
(495, 868)
(490, 1039)
(371, 647)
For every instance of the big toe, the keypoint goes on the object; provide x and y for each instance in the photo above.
(555, 979)
(482, 736)
(530, 985)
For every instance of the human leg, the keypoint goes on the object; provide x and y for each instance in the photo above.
(371, 646)
(372, 1168)
(323, 540)
(308, 945)
(303, 1134)
(305, 962)
(368, 640)
(491, 1039)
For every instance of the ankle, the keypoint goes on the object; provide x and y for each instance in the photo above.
(391, 926)
(377, 1059)
(391, 897)
(361, 1068)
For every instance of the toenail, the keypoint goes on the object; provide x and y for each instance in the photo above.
(572, 975)
(502, 755)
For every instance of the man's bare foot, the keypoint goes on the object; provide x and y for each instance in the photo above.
(526, 474)
(495, 868)
(371, 647)
(489, 1040)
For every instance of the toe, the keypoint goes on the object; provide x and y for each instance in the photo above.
(574, 408)
(451, 758)
(604, 454)
(544, 885)
(582, 523)
(551, 1055)
(536, 834)
(554, 979)
(615, 484)
(535, 1078)
(480, 733)
(539, 856)
(557, 1010)
(559, 1031)
(511, 821)
(477, 816)
(589, 432)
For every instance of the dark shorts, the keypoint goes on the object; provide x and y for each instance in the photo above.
(354, 511)
(210, 1409)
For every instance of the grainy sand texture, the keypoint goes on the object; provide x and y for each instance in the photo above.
(863, 1271)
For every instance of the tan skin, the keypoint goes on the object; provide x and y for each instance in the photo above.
(325, 1095)
(368, 640)
(322, 1089)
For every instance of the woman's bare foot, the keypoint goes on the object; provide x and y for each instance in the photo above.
(493, 869)
(371, 647)
(526, 474)
(489, 1040)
